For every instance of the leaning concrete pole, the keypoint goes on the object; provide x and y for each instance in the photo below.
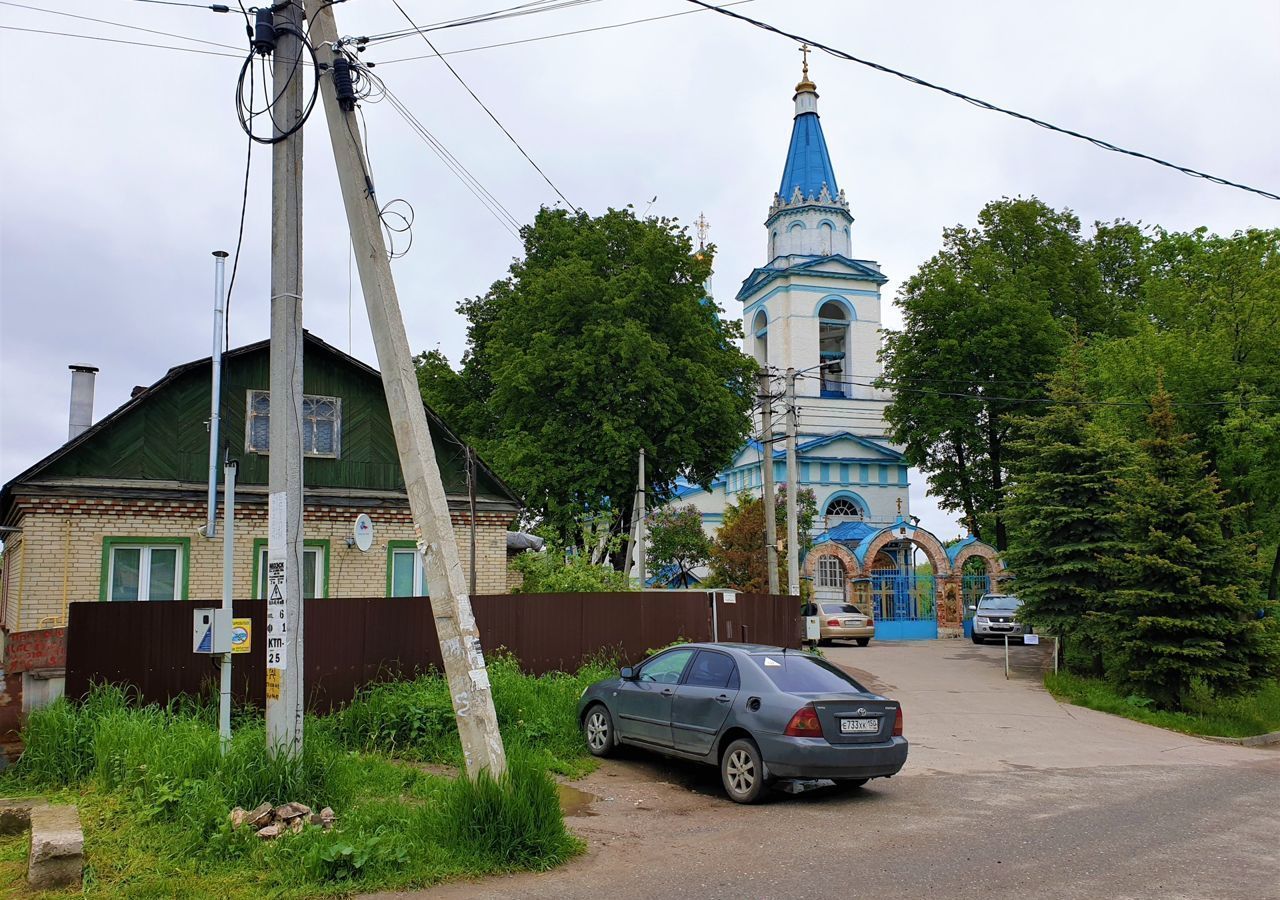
(770, 514)
(456, 627)
(793, 491)
(285, 697)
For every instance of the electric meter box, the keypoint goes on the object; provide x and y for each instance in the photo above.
(812, 628)
(211, 631)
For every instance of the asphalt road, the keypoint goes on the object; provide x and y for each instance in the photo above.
(1006, 794)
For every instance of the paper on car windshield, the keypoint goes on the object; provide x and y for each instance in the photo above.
(770, 661)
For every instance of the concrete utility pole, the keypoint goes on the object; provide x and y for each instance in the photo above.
(285, 697)
(641, 536)
(460, 648)
(770, 516)
(793, 488)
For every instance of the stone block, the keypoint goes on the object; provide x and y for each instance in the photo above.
(57, 848)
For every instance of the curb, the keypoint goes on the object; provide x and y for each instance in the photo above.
(1258, 740)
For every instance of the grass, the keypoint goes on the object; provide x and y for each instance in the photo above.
(1245, 716)
(154, 791)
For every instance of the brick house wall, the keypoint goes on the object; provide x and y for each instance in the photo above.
(58, 557)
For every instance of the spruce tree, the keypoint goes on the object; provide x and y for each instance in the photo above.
(1061, 515)
(1188, 610)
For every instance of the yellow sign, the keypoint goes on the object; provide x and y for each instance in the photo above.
(241, 635)
(273, 684)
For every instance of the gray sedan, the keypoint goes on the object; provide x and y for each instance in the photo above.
(760, 713)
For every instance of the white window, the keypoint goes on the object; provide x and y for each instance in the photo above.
(830, 573)
(313, 569)
(144, 572)
(843, 506)
(321, 424)
(407, 577)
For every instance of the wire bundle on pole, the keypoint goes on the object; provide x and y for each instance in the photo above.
(245, 110)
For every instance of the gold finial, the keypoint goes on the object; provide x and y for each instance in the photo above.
(704, 227)
(899, 506)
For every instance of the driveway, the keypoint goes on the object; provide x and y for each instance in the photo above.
(1007, 793)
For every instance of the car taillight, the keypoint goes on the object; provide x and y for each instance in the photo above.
(804, 723)
(870, 621)
(834, 623)
(897, 723)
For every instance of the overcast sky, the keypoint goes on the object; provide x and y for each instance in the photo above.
(121, 166)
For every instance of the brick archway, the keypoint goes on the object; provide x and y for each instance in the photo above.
(931, 546)
(985, 552)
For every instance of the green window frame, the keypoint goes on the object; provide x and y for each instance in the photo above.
(145, 544)
(418, 576)
(321, 547)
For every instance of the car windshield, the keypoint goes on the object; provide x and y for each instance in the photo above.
(836, 609)
(999, 603)
(796, 673)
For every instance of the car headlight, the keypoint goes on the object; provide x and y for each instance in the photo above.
(982, 619)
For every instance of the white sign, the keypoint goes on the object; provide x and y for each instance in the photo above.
(1031, 639)
(277, 587)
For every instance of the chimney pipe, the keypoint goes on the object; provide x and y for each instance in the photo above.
(81, 417)
(215, 402)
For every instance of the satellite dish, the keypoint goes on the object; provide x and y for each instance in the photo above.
(362, 533)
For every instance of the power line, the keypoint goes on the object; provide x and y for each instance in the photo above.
(509, 135)
(94, 37)
(57, 12)
(511, 12)
(216, 7)
(983, 104)
(559, 34)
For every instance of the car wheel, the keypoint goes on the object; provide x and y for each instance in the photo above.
(742, 771)
(978, 640)
(862, 642)
(597, 728)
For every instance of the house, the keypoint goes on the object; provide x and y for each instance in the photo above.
(117, 513)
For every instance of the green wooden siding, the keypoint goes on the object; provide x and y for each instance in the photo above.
(166, 438)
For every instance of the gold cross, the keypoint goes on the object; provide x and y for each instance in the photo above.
(804, 50)
(899, 506)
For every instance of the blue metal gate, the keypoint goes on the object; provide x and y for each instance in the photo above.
(972, 587)
(904, 605)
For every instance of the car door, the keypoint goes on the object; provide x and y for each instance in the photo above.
(703, 701)
(644, 703)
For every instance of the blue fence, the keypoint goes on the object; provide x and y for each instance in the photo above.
(904, 606)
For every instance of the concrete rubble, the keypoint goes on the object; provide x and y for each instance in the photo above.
(271, 822)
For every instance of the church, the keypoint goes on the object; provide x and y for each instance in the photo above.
(813, 311)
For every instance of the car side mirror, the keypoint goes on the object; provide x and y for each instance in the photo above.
(626, 673)
(973, 609)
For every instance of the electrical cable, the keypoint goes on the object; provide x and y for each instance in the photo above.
(107, 40)
(58, 12)
(559, 34)
(524, 9)
(215, 7)
(245, 111)
(509, 135)
(983, 104)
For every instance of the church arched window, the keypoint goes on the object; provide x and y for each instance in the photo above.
(826, 235)
(760, 328)
(773, 244)
(843, 506)
(833, 347)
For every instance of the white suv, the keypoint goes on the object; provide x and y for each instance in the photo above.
(995, 616)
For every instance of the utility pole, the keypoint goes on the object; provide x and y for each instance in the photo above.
(285, 697)
(460, 647)
(641, 536)
(770, 516)
(628, 560)
(793, 488)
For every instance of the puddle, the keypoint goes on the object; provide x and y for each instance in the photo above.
(574, 802)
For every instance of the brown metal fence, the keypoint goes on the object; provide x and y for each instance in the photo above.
(350, 642)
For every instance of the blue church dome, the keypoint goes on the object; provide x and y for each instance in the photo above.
(808, 162)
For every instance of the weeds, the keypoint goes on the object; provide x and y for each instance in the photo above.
(1245, 716)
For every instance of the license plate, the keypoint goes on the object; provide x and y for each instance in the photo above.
(859, 726)
(850, 623)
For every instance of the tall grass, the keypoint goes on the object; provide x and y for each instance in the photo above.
(414, 719)
(1205, 714)
(155, 791)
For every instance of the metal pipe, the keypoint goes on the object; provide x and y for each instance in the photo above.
(215, 401)
(80, 417)
(228, 560)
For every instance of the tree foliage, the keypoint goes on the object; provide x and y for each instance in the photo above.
(1187, 610)
(599, 342)
(983, 318)
(553, 571)
(676, 540)
(1063, 530)
(739, 553)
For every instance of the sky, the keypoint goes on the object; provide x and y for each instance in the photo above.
(121, 166)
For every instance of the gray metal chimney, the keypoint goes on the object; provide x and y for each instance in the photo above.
(81, 417)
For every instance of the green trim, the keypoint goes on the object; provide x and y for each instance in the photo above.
(392, 547)
(315, 543)
(109, 543)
